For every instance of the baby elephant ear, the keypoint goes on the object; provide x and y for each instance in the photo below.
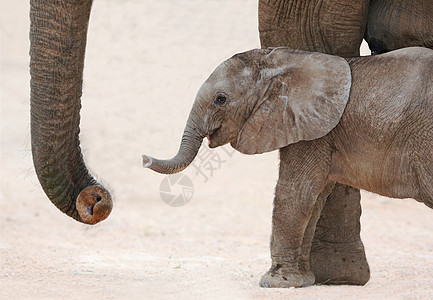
(302, 97)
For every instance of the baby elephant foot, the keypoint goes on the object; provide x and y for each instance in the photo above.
(278, 277)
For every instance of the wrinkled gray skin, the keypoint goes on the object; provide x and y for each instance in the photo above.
(58, 39)
(363, 122)
(394, 24)
(338, 27)
(57, 44)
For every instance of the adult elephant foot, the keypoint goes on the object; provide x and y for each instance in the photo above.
(279, 277)
(337, 253)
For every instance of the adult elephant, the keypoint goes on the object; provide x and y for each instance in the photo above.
(338, 27)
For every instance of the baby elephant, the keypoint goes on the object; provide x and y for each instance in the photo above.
(366, 122)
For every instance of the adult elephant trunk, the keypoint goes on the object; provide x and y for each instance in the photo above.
(57, 45)
(189, 146)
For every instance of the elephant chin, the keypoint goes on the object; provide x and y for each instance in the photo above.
(94, 204)
(213, 144)
(234, 144)
(219, 137)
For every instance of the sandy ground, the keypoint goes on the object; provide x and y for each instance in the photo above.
(144, 65)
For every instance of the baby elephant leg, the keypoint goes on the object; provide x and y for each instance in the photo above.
(289, 223)
(299, 198)
(305, 262)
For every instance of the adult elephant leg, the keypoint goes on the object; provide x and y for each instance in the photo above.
(337, 253)
(57, 45)
(333, 27)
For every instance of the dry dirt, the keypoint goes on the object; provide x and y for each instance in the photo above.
(144, 64)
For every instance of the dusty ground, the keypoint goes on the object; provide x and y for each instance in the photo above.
(145, 62)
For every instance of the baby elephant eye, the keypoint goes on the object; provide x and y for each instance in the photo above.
(220, 100)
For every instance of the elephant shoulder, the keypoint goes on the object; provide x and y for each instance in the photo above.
(412, 53)
(412, 60)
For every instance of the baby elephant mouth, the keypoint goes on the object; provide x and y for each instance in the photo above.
(219, 138)
(212, 137)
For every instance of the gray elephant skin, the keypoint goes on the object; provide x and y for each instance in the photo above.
(58, 34)
(365, 122)
(338, 27)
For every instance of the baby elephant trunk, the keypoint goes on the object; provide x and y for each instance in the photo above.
(191, 142)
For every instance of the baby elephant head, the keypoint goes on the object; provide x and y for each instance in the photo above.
(262, 100)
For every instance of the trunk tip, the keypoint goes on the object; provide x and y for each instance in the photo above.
(94, 204)
(147, 161)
